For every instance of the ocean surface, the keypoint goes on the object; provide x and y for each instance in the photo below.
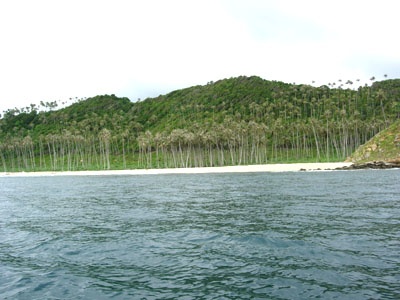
(295, 235)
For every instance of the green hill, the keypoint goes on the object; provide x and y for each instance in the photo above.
(385, 146)
(243, 120)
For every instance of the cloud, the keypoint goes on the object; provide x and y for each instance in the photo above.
(56, 50)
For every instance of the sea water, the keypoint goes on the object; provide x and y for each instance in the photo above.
(295, 235)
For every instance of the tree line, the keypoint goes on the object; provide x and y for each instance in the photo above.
(244, 120)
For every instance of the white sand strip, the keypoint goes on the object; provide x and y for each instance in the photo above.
(228, 169)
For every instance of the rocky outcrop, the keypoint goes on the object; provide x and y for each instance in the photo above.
(381, 165)
(383, 147)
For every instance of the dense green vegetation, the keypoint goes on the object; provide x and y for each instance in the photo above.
(244, 120)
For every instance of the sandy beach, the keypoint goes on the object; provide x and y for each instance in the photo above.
(229, 169)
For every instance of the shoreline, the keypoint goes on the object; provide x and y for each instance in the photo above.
(295, 167)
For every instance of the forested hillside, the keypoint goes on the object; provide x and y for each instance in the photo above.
(244, 120)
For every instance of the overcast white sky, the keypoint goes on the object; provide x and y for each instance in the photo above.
(54, 50)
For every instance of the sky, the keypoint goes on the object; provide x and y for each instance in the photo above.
(56, 50)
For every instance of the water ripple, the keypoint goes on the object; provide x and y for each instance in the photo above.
(211, 236)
